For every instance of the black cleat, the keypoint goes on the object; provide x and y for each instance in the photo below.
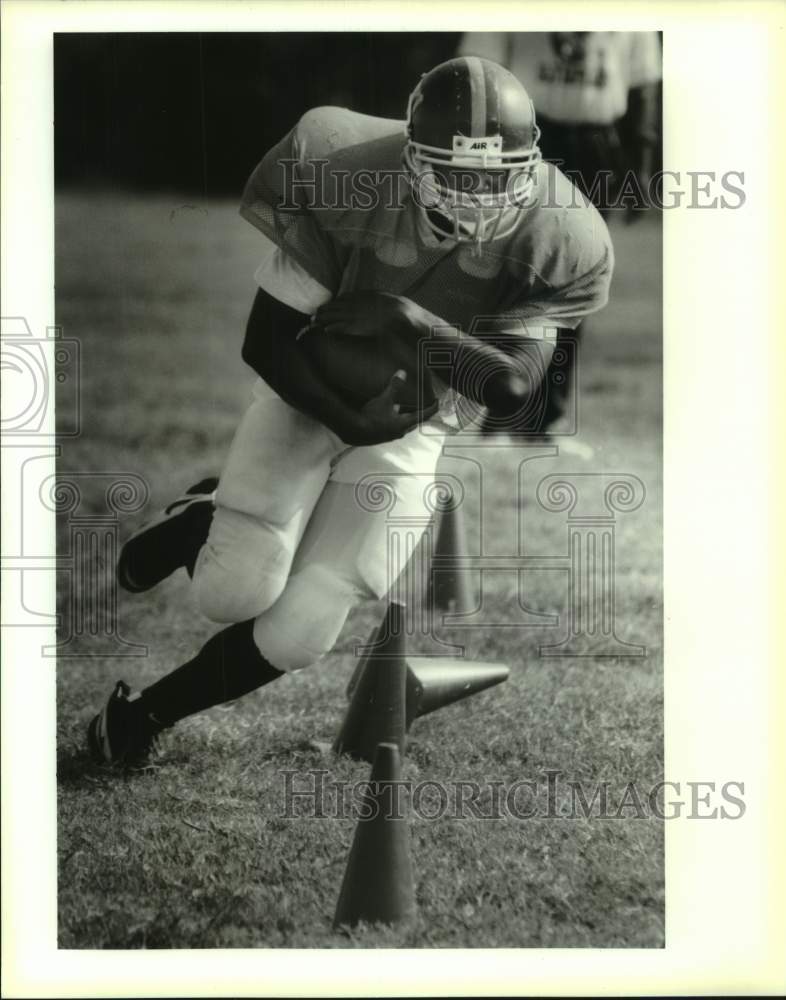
(171, 540)
(122, 733)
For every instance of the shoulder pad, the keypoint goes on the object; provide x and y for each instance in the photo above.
(322, 132)
(569, 221)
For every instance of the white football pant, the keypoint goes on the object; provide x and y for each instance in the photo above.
(302, 528)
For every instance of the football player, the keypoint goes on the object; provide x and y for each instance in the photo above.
(446, 227)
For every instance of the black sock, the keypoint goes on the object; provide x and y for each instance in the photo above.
(227, 666)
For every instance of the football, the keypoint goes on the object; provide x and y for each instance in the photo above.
(361, 367)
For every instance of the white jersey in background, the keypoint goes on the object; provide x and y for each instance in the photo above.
(587, 86)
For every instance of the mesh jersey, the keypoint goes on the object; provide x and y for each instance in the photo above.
(333, 195)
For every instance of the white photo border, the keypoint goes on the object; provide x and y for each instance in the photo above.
(723, 100)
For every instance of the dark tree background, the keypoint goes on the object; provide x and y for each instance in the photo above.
(195, 112)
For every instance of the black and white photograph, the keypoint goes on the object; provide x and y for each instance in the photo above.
(349, 425)
(371, 393)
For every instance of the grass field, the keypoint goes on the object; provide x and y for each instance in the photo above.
(197, 854)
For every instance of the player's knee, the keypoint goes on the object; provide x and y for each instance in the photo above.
(235, 595)
(304, 623)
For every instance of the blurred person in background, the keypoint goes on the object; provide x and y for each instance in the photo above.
(598, 100)
(597, 95)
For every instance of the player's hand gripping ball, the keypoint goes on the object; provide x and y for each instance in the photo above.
(359, 342)
(374, 314)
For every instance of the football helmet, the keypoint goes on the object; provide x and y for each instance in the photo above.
(472, 150)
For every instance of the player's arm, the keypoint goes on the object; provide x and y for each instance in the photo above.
(497, 366)
(487, 369)
(271, 348)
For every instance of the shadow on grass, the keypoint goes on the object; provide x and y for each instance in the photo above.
(77, 769)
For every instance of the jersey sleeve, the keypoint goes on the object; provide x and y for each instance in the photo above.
(283, 278)
(567, 305)
(573, 275)
(279, 200)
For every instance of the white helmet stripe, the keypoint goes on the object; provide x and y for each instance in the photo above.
(477, 90)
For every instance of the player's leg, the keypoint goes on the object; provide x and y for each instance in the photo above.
(343, 557)
(270, 466)
(241, 570)
(170, 540)
(278, 464)
(303, 623)
(231, 663)
(228, 666)
(349, 551)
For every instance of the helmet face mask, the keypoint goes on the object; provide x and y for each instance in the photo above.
(472, 153)
(476, 205)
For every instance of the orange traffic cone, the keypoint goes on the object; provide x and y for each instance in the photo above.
(450, 588)
(376, 712)
(378, 884)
